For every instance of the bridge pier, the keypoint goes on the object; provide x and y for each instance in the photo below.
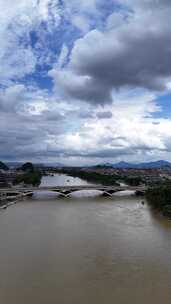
(7, 194)
(3, 197)
(139, 193)
(8, 198)
(106, 194)
(61, 194)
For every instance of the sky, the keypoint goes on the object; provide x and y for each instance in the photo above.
(84, 82)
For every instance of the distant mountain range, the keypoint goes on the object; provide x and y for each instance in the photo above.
(14, 164)
(120, 165)
(147, 165)
(55, 165)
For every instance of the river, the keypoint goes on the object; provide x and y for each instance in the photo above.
(84, 250)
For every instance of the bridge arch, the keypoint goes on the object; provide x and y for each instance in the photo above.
(65, 191)
(102, 191)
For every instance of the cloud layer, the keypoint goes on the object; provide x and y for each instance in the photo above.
(80, 81)
(121, 56)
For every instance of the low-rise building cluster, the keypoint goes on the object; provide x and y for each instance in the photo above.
(7, 177)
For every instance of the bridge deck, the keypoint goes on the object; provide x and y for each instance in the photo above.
(73, 188)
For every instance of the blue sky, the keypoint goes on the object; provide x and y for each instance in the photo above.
(165, 102)
(85, 81)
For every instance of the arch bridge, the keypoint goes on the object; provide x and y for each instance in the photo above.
(65, 191)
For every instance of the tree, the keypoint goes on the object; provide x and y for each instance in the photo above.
(27, 167)
(3, 166)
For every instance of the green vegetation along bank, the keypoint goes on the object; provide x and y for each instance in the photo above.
(160, 199)
(30, 176)
(100, 178)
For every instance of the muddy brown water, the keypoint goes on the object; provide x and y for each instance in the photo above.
(84, 250)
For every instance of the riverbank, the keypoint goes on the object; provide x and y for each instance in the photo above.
(12, 196)
(91, 177)
(99, 177)
(6, 205)
(160, 199)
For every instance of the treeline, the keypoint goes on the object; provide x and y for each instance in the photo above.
(160, 198)
(133, 181)
(92, 176)
(29, 178)
(31, 175)
(99, 178)
(3, 166)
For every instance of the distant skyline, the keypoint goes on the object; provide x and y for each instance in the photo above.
(85, 81)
